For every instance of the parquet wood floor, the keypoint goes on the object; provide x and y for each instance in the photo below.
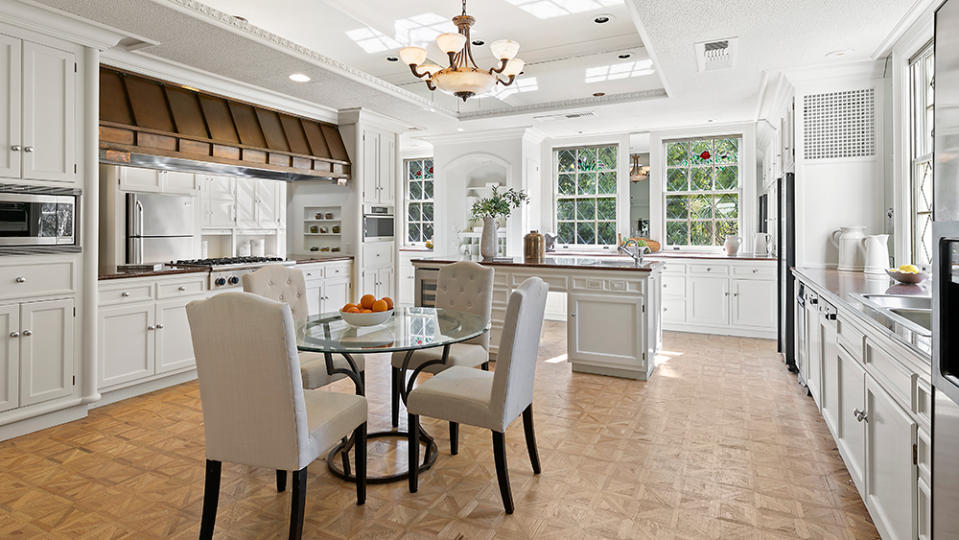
(721, 443)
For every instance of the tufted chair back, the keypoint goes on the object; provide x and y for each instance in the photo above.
(280, 284)
(466, 286)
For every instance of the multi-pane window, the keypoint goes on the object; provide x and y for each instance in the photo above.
(921, 72)
(419, 200)
(702, 191)
(586, 195)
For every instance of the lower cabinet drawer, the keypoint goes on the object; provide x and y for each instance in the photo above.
(48, 278)
(887, 370)
(186, 287)
(126, 293)
(758, 271)
(377, 255)
(707, 269)
(338, 269)
(311, 271)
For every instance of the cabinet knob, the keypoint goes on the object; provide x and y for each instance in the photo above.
(725, 294)
(21, 279)
(124, 294)
(159, 327)
(709, 269)
(151, 327)
(181, 288)
(28, 333)
(736, 294)
(15, 148)
(861, 416)
(14, 334)
(28, 149)
(755, 270)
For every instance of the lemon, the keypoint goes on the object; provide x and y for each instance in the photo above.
(909, 269)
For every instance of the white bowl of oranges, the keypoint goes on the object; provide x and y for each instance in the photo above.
(369, 312)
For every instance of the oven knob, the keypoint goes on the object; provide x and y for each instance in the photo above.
(234, 280)
(220, 282)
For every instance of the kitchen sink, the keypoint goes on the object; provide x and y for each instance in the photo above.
(921, 317)
(892, 301)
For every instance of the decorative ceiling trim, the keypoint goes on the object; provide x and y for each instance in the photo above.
(568, 103)
(314, 57)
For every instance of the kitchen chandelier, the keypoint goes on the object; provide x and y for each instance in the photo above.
(463, 78)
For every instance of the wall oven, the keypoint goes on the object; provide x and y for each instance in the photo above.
(37, 217)
(378, 222)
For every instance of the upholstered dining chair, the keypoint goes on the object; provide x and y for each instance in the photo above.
(255, 410)
(463, 286)
(285, 284)
(489, 400)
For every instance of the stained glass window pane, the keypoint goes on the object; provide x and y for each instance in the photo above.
(427, 211)
(726, 227)
(415, 232)
(701, 233)
(701, 152)
(677, 180)
(727, 151)
(606, 159)
(413, 213)
(565, 209)
(586, 159)
(586, 209)
(415, 170)
(428, 189)
(567, 184)
(428, 168)
(727, 206)
(586, 184)
(677, 154)
(585, 191)
(676, 207)
(416, 191)
(727, 177)
(701, 206)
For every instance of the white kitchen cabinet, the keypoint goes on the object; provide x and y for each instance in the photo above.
(256, 204)
(750, 303)
(49, 128)
(46, 350)
(830, 385)
(368, 282)
(314, 295)
(384, 282)
(674, 309)
(851, 432)
(891, 476)
(379, 167)
(178, 182)
(614, 342)
(328, 286)
(126, 345)
(813, 349)
(9, 357)
(335, 294)
(139, 179)
(246, 203)
(10, 107)
(707, 300)
(266, 203)
(174, 343)
(217, 201)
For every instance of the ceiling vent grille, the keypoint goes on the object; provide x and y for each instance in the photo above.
(716, 55)
(564, 116)
(839, 124)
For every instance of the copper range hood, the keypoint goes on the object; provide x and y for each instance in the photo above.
(146, 122)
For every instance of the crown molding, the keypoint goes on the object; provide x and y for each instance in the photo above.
(231, 23)
(359, 115)
(628, 97)
(486, 135)
(920, 9)
(51, 22)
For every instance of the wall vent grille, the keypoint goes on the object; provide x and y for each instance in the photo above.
(839, 124)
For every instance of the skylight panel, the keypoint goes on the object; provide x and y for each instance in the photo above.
(519, 86)
(371, 40)
(623, 70)
(421, 29)
(547, 9)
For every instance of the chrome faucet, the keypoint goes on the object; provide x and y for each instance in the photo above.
(636, 253)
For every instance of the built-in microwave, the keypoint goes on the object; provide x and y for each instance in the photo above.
(34, 216)
(378, 222)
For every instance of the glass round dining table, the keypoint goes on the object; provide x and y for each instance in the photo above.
(408, 330)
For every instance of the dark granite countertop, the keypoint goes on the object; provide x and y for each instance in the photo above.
(842, 288)
(318, 258)
(741, 256)
(589, 263)
(119, 273)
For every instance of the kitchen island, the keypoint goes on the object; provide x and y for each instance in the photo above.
(613, 306)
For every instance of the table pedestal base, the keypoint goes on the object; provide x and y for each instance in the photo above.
(334, 460)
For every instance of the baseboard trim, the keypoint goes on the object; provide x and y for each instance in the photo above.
(720, 330)
(43, 421)
(638, 375)
(127, 392)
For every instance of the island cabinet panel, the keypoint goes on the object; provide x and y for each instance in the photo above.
(602, 330)
(851, 438)
(9, 357)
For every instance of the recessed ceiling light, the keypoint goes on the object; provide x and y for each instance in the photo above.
(624, 56)
(839, 53)
(602, 19)
(391, 59)
(479, 42)
(599, 94)
(299, 77)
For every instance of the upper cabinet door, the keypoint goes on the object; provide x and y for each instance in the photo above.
(139, 179)
(10, 146)
(387, 168)
(9, 356)
(49, 114)
(371, 172)
(46, 350)
(266, 203)
(246, 203)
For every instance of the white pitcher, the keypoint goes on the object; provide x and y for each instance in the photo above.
(732, 244)
(849, 242)
(876, 247)
(761, 243)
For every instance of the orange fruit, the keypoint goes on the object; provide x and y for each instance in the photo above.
(389, 302)
(347, 307)
(366, 311)
(380, 305)
(367, 301)
(352, 309)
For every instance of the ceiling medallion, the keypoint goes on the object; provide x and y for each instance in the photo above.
(463, 78)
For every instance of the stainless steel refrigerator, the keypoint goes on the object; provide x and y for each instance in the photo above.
(159, 227)
(945, 317)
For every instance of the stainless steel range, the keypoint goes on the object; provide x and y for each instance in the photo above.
(225, 272)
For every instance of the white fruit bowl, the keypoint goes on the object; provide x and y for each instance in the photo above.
(366, 319)
(908, 277)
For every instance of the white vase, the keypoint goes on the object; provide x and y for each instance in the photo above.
(876, 247)
(848, 240)
(488, 239)
(732, 244)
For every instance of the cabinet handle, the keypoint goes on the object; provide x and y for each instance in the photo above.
(181, 288)
(15, 148)
(28, 333)
(861, 416)
(664, 285)
(159, 327)
(14, 334)
(151, 327)
(124, 294)
(21, 279)
(725, 294)
(28, 149)
(755, 270)
(709, 269)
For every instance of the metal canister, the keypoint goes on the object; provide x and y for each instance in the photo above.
(534, 246)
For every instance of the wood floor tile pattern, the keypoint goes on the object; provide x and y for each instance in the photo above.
(721, 443)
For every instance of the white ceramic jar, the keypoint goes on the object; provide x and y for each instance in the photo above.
(848, 240)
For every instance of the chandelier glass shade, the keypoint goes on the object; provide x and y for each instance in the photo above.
(462, 77)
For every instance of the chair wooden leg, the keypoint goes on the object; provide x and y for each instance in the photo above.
(395, 396)
(413, 425)
(298, 507)
(359, 437)
(454, 438)
(211, 495)
(280, 480)
(502, 474)
(485, 366)
(531, 439)
(345, 456)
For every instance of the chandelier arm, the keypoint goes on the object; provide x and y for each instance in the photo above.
(501, 67)
(429, 84)
(469, 49)
(452, 56)
(417, 74)
(508, 82)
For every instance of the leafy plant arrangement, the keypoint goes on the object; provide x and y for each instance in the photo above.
(500, 203)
